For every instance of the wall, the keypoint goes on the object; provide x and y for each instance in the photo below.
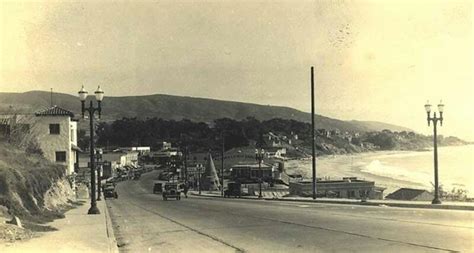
(50, 143)
(343, 189)
(425, 196)
(130, 158)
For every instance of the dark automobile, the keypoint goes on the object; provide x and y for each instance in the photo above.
(233, 189)
(109, 191)
(170, 190)
(157, 188)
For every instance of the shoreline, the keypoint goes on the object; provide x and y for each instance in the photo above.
(392, 169)
(387, 152)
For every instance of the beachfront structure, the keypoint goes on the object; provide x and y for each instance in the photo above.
(410, 194)
(348, 187)
(56, 133)
(250, 173)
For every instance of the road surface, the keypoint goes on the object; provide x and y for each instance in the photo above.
(143, 222)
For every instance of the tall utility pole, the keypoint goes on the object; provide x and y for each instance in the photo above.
(312, 133)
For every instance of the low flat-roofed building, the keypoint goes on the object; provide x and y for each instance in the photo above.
(348, 187)
(411, 194)
(251, 173)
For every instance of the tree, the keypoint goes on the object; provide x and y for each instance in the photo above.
(384, 140)
(82, 139)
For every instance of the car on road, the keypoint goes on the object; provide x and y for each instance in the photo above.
(171, 190)
(157, 187)
(233, 189)
(109, 191)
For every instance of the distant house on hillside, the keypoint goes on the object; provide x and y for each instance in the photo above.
(410, 194)
(335, 132)
(275, 152)
(272, 140)
(323, 132)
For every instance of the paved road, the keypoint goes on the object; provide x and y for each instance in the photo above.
(143, 222)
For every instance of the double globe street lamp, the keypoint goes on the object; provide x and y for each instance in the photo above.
(435, 121)
(199, 169)
(99, 95)
(259, 155)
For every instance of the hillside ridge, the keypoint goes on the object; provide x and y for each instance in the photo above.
(173, 107)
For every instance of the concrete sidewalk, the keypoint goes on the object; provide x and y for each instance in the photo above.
(77, 232)
(393, 203)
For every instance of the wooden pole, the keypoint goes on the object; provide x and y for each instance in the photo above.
(313, 134)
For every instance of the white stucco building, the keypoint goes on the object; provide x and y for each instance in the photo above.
(56, 133)
(129, 159)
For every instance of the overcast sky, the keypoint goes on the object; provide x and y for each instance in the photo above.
(374, 60)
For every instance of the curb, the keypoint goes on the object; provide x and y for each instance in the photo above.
(112, 241)
(404, 205)
(368, 203)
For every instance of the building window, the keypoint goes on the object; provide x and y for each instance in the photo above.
(72, 135)
(53, 128)
(60, 156)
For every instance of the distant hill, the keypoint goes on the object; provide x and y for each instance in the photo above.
(179, 107)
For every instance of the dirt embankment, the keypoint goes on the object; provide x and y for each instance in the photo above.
(31, 188)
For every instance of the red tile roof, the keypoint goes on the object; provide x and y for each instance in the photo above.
(55, 111)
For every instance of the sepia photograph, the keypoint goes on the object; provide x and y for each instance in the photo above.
(236, 126)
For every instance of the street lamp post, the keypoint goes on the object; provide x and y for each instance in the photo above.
(199, 167)
(186, 165)
(173, 171)
(435, 120)
(99, 95)
(259, 154)
(184, 141)
(99, 173)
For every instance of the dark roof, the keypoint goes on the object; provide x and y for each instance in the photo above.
(405, 194)
(55, 111)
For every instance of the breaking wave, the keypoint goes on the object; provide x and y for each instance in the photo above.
(378, 168)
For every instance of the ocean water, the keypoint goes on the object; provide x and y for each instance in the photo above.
(394, 170)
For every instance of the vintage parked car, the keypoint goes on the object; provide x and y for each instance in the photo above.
(233, 189)
(171, 190)
(109, 191)
(158, 187)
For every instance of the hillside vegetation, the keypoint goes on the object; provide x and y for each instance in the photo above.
(292, 134)
(169, 107)
(28, 183)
